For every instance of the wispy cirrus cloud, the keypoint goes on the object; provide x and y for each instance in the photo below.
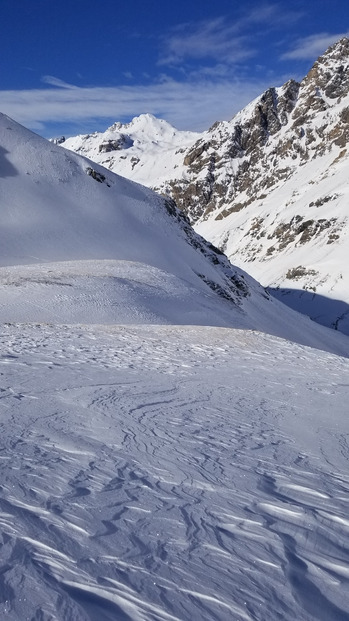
(213, 39)
(222, 40)
(206, 76)
(309, 48)
(50, 79)
(193, 106)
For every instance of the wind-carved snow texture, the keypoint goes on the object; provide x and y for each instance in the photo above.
(171, 473)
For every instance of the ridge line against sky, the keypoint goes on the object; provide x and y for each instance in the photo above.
(71, 68)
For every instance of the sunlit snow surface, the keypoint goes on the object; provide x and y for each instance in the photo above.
(156, 473)
(152, 471)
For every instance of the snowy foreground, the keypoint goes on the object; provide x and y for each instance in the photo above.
(171, 473)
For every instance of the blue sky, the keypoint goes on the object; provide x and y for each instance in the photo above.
(76, 66)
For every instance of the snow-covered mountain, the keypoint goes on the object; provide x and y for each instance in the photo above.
(147, 150)
(83, 244)
(152, 470)
(98, 248)
(269, 187)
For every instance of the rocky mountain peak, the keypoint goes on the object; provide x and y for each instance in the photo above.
(260, 147)
(339, 51)
(329, 76)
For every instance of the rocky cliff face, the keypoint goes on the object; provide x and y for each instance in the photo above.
(280, 206)
(236, 162)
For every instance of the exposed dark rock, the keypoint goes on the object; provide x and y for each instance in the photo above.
(245, 156)
(97, 176)
(60, 140)
(298, 272)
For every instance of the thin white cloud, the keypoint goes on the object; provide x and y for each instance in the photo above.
(206, 91)
(309, 48)
(222, 40)
(50, 79)
(193, 106)
(272, 16)
(209, 39)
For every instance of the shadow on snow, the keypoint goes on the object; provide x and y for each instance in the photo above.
(326, 311)
(6, 168)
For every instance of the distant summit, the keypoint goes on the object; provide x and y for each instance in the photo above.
(146, 123)
(146, 149)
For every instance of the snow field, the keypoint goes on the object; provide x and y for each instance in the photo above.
(162, 472)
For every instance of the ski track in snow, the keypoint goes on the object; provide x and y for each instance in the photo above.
(171, 473)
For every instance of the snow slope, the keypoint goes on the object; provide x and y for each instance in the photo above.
(171, 473)
(296, 240)
(75, 249)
